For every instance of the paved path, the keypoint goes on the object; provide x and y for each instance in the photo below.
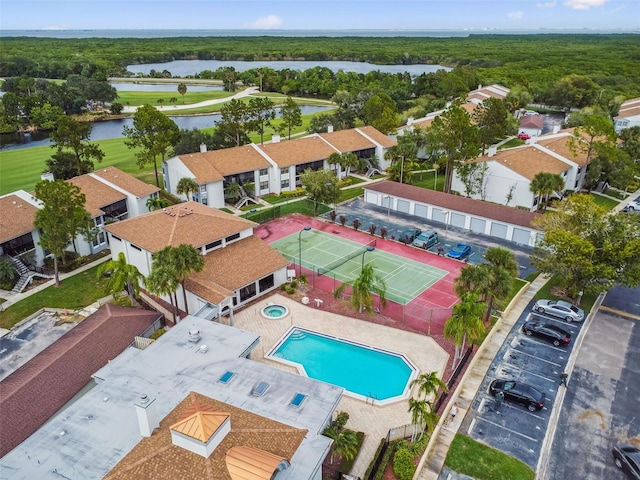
(172, 108)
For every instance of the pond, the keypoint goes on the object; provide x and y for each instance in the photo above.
(184, 68)
(113, 128)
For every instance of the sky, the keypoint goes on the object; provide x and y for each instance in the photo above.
(473, 15)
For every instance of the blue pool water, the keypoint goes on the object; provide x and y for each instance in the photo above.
(360, 370)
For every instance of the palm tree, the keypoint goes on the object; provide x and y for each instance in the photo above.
(161, 282)
(8, 270)
(367, 282)
(348, 160)
(537, 187)
(232, 190)
(186, 186)
(428, 384)
(465, 323)
(545, 183)
(422, 414)
(473, 278)
(345, 442)
(157, 203)
(180, 261)
(123, 275)
(503, 267)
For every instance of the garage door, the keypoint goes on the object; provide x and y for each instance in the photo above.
(478, 225)
(403, 206)
(438, 215)
(458, 219)
(521, 236)
(371, 197)
(421, 211)
(498, 230)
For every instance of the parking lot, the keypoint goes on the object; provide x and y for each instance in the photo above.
(514, 429)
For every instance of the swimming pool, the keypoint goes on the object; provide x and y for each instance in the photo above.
(364, 371)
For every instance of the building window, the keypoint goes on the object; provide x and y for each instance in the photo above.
(231, 238)
(284, 183)
(266, 283)
(212, 245)
(264, 185)
(247, 292)
(101, 239)
(264, 171)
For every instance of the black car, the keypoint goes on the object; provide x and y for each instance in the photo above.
(408, 236)
(519, 392)
(627, 459)
(547, 331)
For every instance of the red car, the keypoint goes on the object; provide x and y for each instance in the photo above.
(524, 136)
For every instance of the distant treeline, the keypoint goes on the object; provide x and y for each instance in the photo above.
(531, 61)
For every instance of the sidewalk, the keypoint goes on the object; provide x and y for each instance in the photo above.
(433, 459)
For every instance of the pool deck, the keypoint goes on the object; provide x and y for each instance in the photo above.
(424, 352)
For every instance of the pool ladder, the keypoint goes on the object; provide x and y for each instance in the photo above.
(371, 398)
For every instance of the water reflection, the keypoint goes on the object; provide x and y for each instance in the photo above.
(113, 128)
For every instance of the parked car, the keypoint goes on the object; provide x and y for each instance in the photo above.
(524, 136)
(627, 459)
(633, 205)
(547, 331)
(519, 392)
(408, 236)
(426, 239)
(460, 251)
(560, 309)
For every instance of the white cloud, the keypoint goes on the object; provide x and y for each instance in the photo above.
(547, 4)
(515, 15)
(270, 21)
(584, 4)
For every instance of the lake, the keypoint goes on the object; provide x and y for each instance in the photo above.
(184, 68)
(113, 128)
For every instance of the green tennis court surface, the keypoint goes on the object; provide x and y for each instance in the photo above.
(337, 257)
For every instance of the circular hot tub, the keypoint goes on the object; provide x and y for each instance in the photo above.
(275, 311)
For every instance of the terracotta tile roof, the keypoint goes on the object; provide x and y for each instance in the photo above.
(527, 161)
(226, 269)
(348, 140)
(495, 91)
(38, 389)
(423, 123)
(558, 145)
(214, 165)
(454, 202)
(186, 223)
(200, 422)
(127, 182)
(532, 121)
(377, 136)
(298, 151)
(157, 457)
(97, 194)
(249, 463)
(629, 111)
(16, 217)
(469, 107)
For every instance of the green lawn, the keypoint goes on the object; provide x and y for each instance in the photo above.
(350, 193)
(428, 180)
(74, 293)
(545, 293)
(604, 202)
(134, 98)
(481, 462)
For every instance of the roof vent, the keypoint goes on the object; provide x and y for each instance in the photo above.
(194, 335)
(202, 349)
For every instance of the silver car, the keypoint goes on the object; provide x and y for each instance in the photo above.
(561, 309)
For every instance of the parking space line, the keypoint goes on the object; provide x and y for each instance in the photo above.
(541, 359)
(508, 429)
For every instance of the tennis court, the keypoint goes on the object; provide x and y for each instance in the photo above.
(331, 255)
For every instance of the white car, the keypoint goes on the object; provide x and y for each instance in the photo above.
(633, 205)
(561, 309)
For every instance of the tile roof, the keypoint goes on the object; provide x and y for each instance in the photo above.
(16, 217)
(125, 181)
(532, 121)
(157, 457)
(226, 269)
(454, 202)
(630, 110)
(558, 145)
(249, 463)
(97, 193)
(377, 136)
(298, 151)
(38, 389)
(495, 91)
(214, 165)
(186, 223)
(348, 140)
(527, 161)
(200, 422)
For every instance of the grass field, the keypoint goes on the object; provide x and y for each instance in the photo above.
(405, 279)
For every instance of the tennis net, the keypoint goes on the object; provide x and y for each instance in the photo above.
(341, 261)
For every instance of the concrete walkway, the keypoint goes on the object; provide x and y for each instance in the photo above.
(432, 461)
(172, 108)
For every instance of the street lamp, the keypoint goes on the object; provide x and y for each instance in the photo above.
(446, 228)
(388, 198)
(305, 229)
(369, 249)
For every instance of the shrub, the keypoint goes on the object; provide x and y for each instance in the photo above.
(403, 465)
(356, 224)
(290, 290)
(294, 284)
(341, 420)
(372, 229)
(158, 333)
(298, 192)
(333, 215)
(303, 278)
(383, 232)
(342, 219)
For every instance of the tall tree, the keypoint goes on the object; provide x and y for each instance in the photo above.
(321, 185)
(182, 90)
(122, 275)
(362, 287)
(381, 111)
(586, 248)
(465, 323)
(494, 121)
(154, 133)
(403, 159)
(180, 261)
(545, 184)
(157, 203)
(345, 443)
(186, 186)
(291, 116)
(71, 137)
(456, 140)
(261, 112)
(422, 413)
(161, 281)
(234, 119)
(429, 384)
(61, 217)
